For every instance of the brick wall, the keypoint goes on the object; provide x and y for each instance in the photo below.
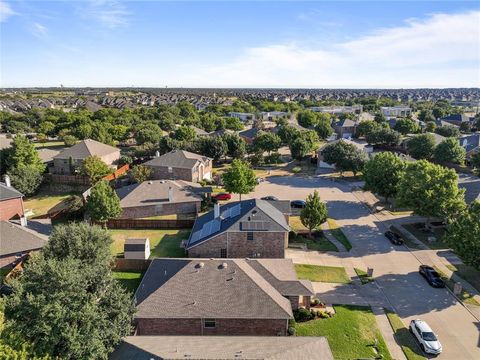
(266, 244)
(233, 327)
(11, 208)
(162, 173)
(165, 209)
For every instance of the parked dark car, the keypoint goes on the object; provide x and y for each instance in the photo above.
(432, 277)
(270, 198)
(394, 238)
(223, 196)
(297, 204)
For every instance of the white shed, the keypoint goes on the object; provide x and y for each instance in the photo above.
(136, 249)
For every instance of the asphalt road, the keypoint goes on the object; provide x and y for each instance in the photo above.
(395, 268)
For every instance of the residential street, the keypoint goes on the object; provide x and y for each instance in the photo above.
(395, 268)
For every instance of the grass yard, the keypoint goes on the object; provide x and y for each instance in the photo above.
(351, 333)
(296, 224)
(50, 144)
(44, 201)
(406, 341)
(468, 273)
(163, 243)
(129, 279)
(363, 276)
(338, 233)
(464, 296)
(423, 236)
(319, 243)
(329, 274)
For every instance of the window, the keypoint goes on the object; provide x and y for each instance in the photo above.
(209, 323)
(223, 253)
(250, 236)
(170, 170)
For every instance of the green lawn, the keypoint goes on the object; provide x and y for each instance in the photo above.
(319, 243)
(351, 333)
(330, 274)
(406, 341)
(129, 279)
(364, 278)
(44, 201)
(49, 144)
(296, 224)
(338, 233)
(464, 296)
(423, 236)
(163, 243)
(467, 273)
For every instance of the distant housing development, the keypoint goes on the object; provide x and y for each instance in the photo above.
(337, 110)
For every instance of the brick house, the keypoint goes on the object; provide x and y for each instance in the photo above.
(161, 197)
(72, 158)
(250, 228)
(16, 241)
(345, 128)
(11, 201)
(181, 165)
(219, 297)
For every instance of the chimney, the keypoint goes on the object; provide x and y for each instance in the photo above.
(157, 153)
(216, 210)
(7, 181)
(170, 194)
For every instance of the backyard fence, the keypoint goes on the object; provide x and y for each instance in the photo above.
(149, 223)
(122, 264)
(68, 179)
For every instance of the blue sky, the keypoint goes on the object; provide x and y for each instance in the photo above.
(240, 44)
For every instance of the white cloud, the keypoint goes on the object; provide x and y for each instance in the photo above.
(109, 13)
(442, 50)
(5, 11)
(39, 30)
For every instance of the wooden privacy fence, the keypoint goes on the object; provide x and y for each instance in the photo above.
(122, 264)
(149, 224)
(68, 179)
(120, 171)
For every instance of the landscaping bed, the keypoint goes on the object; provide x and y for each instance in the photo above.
(329, 274)
(406, 341)
(351, 333)
(417, 230)
(467, 273)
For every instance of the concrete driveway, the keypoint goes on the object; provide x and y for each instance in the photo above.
(395, 268)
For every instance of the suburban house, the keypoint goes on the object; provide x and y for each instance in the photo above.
(345, 128)
(359, 144)
(471, 143)
(219, 297)
(161, 197)
(16, 242)
(338, 110)
(250, 228)
(181, 165)
(242, 116)
(396, 111)
(249, 134)
(456, 119)
(11, 201)
(274, 115)
(72, 158)
(222, 347)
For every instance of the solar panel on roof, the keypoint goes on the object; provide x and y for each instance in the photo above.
(195, 236)
(216, 225)
(235, 211)
(226, 213)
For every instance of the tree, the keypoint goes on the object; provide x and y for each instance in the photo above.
(383, 173)
(26, 179)
(464, 235)
(430, 190)
(288, 133)
(421, 146)
(367, 127)
(299, 148)
(94, 168)
(267, 141)
(307, 118)
(430, 126)
(69, 140)
(345, 156)
(213, 147)
(380, 118)
(185, 133)
(314, 213)
(80, 311)
(449, 151)
(324, 128)
(239, 179)
(465, 127)
(426, 116)
(148, 133)
(407, 126)
(475, 161)
(447, 131)
(24, 154)
(103, 203)
(383, 136)
(141, 173)
(236, 146)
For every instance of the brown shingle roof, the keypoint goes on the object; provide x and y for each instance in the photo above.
(9, 192)
(86, 148)
(178, 159)
(16, 239)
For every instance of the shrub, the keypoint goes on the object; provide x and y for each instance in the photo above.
(292, 235)
(273, 158)
(302, 314)
(292, 331)
(314, 302)
(296, 169)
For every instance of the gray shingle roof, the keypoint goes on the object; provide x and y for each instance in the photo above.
(178, 159)
(223, 347)
(16, 239)
(259, 212)
(199, 288)
(9, 192)
(86, 148)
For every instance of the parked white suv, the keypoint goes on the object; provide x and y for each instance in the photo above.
(426, 337)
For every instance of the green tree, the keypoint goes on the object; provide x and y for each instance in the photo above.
(426, 116)
(449, 151)
(421, 146)
(213, 147)
(234, 124)
(266, 141)
(148, 133)
(475, 162)
(430, 190)
(94, 168)
(345, 157)
(383, 136)
(447, 131)
(367, 127)
(324, 128)
(299, 148)
(24, 154)
(236, 146)
(382, 174)
(141, 173)
(80, 311)
(380, 118)
(288, 133)
(103, 203)
(26, 179)
(464, 235)
(430, 126)
(69, 140)
(185, 133)
(307, 118)
(314, 213)
(406, 126)
(239, 179)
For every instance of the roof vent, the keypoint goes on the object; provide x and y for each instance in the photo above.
(200, 265)
(223, 266)
(150, 183)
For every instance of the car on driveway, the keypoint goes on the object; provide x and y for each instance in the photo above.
(394, 238)
(426, 337)
(223, 196)
(432, 277)
(270, 198)
(297, 204)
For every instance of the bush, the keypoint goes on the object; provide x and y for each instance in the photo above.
(296, 169)
(292, 235)
(273, 158)
(323, 314)
(302, 314)
(292, 331)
